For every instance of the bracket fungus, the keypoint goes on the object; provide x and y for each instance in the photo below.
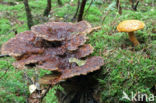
(55, 46)
(130, 26)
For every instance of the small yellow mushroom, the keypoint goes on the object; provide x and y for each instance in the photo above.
(130, 26)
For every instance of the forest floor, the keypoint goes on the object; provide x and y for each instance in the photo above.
(128, 68)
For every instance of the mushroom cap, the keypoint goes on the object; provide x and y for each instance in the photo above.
(130, 26)
(51, 46)
(92, 64)
(58, 31)
(20, 45)
(77, 41)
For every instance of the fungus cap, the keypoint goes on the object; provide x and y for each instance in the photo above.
(92, 64)
(130, 26)
(59, 31)
(21, 45)
(51, 46)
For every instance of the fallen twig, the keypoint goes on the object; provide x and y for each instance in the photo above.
(93, 29)
(2, 56)
(8, 3)
(45, 93)
(88, 8)
(38, 96)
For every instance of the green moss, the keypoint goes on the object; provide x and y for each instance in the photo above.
(128, 71)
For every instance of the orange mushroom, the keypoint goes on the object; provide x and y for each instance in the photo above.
(130, 26)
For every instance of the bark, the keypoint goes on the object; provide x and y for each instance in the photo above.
(80, 17)
(77, 10)
(119, 7)
(48, 8)
(28, 13)
(59, 2)
(135, 6)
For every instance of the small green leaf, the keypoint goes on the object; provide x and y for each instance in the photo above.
(77, 61)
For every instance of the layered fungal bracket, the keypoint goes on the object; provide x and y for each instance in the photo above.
(50, 46)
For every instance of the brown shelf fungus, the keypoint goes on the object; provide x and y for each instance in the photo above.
(130, 26)
(60, 48)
